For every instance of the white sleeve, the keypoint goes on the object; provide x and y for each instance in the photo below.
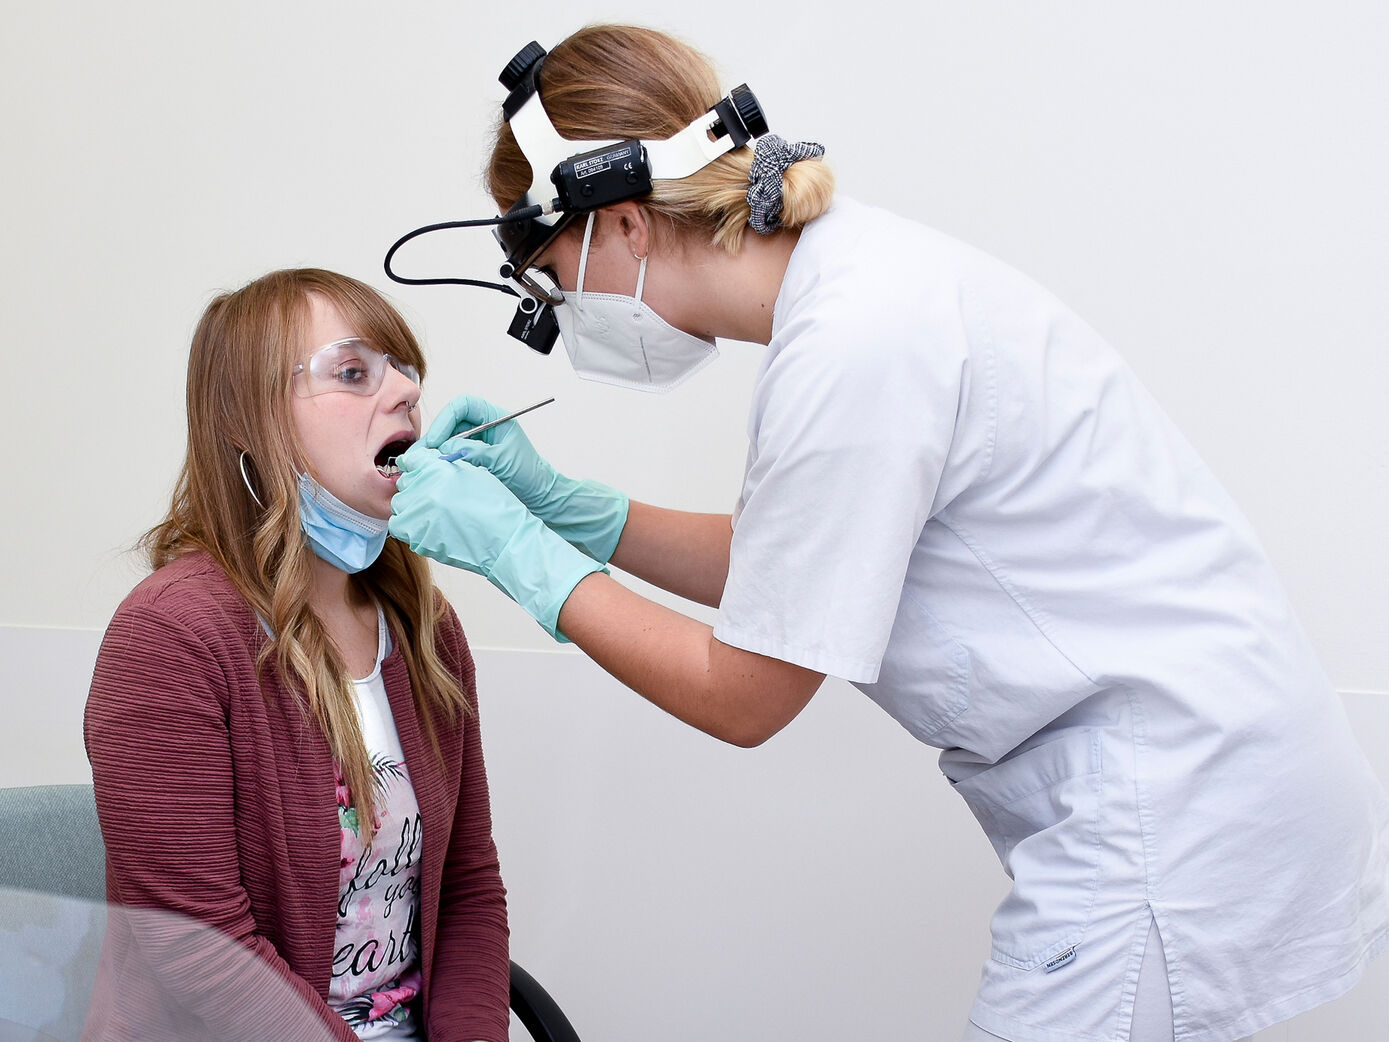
(852, 422)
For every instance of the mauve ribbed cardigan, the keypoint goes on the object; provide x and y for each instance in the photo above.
(216, 798)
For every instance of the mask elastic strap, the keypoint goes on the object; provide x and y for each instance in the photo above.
(583, 254)
(641, 278)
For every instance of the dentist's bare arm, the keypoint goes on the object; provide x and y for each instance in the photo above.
(678, 551)
(677, 664)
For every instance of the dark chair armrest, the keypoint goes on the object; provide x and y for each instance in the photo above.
(539, 1013)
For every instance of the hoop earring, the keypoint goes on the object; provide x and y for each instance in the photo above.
(241, 462)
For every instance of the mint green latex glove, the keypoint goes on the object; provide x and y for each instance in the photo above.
(461, 515)
(586, 513)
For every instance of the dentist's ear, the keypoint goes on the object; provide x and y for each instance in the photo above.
(630, 222)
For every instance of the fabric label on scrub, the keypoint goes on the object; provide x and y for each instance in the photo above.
(1065, 958)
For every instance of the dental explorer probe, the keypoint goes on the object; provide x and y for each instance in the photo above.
(487, 427)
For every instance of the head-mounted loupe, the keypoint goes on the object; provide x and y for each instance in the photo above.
(570, 178)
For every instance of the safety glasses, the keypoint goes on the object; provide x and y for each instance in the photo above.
(351, 365)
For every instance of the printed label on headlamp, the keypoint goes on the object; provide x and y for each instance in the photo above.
(612, 174)
(599, 163)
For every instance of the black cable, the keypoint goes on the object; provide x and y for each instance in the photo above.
(528, 214)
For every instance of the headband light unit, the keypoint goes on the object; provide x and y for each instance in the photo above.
(571, 178)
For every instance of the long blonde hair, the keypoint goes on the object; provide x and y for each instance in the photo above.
(239, 374)
(607, 82)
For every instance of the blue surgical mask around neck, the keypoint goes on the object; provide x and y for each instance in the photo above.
(345, 538)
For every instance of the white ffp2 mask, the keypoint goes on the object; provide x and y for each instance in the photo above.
(617, 339)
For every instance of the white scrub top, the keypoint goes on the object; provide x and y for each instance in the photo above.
(961, 500)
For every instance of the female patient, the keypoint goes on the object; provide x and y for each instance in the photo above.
(282, 725)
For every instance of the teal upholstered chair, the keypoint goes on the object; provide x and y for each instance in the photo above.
(50, 844)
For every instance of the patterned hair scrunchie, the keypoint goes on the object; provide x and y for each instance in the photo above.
(770, 158)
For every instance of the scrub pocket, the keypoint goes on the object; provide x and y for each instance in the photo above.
(1041, 812)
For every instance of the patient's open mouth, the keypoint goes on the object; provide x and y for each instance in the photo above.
(385, 459)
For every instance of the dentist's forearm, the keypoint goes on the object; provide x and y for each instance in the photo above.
(682, 552)
(677, 664)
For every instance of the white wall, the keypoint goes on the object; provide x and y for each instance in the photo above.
(1203, 181)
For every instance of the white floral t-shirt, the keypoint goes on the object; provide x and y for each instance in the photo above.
(376, 965)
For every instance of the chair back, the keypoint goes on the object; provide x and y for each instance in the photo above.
(52, 909)
(50, 841)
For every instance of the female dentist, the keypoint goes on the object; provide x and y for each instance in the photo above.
(960, 500)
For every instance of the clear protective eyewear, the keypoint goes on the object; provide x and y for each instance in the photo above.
(351, 365)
